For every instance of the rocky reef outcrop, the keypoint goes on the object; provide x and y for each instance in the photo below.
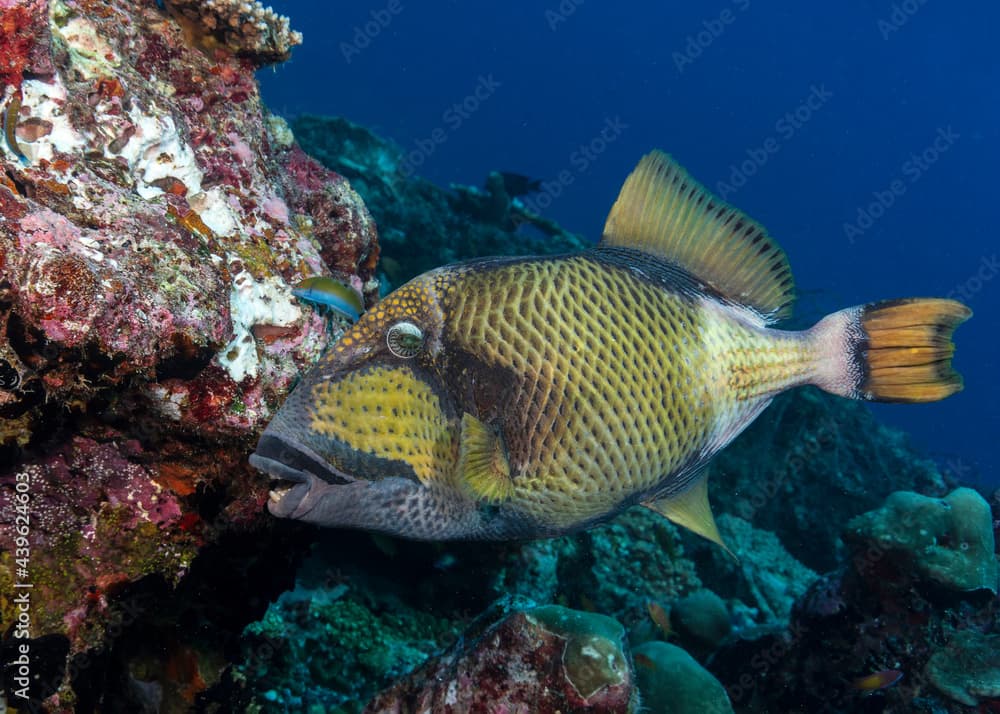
(153, 216)
(906, 624)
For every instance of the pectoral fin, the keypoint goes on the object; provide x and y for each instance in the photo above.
(482, 461)
(692, 511)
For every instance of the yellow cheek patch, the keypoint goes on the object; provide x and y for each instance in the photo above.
(391, 414)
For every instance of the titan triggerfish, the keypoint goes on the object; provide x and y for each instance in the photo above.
(535, 396)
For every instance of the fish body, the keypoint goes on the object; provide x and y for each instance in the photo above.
(660, 618)
(10, 116)
(877, 681)
(527, 397)
(518, 184)
(328, 292)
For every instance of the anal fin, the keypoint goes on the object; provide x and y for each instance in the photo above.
(692, 511)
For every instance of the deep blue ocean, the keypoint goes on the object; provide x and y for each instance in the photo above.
(865, 135)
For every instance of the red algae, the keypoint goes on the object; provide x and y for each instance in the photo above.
(136, 259)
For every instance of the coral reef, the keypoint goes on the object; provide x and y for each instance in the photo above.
(946, 540)
(764, 575)
(537, 659)
(616, 569)
(635, 558)
(881, 612)
(968, 669)
(670, 680)
(343, 649)
(152, 219)
(445, 584)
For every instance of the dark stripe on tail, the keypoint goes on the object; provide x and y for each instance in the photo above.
(889, 351)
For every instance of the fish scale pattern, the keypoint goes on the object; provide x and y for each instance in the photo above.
(611, 394)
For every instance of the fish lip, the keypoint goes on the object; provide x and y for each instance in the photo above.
(287, 459)
(297, 501)
(277, 470)
(296, 471)
(283, 499)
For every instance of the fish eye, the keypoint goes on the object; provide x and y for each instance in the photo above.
(404, 339)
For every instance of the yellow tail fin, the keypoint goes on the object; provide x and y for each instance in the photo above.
(891, 351)
(908, 355)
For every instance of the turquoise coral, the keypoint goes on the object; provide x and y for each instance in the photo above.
(968, 669)
(670, 680)
(766, 577)
(946, 540)
(702, 619)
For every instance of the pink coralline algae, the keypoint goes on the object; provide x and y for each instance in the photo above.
(153, 217)
(542, 659)
(90, 501)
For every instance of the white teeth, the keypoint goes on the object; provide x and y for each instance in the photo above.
(279, 491)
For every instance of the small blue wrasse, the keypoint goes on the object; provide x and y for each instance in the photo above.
(330, 293)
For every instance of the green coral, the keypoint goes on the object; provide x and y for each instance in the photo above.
(632, 564)
(594, 657)
(947, 540)
(670, 680)
(338, 648)
(702, 619)
(968, 669)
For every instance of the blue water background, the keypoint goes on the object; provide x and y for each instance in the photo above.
(816, 116)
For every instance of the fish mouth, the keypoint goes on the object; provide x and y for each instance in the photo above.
(294, 470)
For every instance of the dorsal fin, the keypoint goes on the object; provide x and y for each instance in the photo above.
(663, 211)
